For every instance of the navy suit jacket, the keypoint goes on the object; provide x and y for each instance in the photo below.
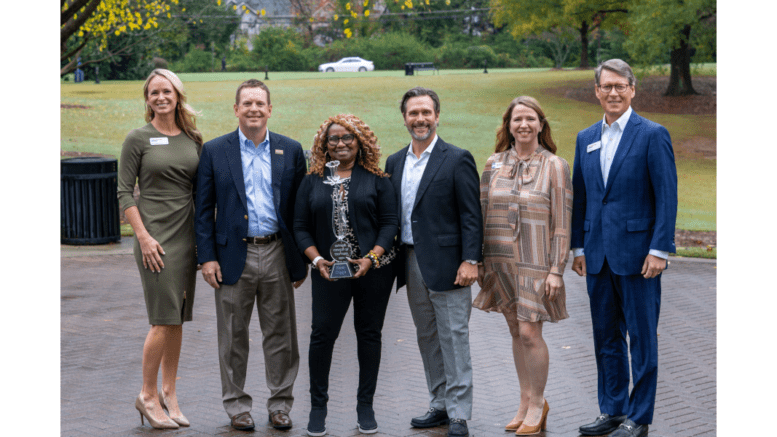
(372, 212)
(637, 210)
(446, 217)
(221, 195)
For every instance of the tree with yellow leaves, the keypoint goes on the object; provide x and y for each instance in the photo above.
(98, 21)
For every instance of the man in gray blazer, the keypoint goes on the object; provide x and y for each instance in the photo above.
(440, 238)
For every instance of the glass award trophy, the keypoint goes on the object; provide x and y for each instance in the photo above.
(340, 250)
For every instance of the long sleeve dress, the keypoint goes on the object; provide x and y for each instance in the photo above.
(165, 168)
(527, 212)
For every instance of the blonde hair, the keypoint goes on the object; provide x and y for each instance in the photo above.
(368, 155)
(185, 115)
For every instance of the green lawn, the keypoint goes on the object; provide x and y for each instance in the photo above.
(471, 110)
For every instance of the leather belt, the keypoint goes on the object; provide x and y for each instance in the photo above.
(262, 240)
(409, 246)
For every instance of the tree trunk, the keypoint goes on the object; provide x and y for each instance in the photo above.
(584, 45)
(680, 65)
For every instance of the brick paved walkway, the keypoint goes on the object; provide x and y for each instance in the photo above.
(104, 324)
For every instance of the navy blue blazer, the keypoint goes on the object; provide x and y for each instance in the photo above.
(372, 212)
(447, 221)
(221, 195)
(637, 210)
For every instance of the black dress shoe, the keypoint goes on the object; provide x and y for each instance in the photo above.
(630, 429)
(432, 418)
(458, 428)
(243, 421)
(604, 424)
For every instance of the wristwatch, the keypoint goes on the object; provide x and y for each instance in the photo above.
(471, 261)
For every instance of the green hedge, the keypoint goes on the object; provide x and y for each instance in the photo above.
(196, 61)
(283, 49)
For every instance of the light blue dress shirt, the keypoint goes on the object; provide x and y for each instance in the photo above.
(611, 139)
(411, 178)
(257, 175)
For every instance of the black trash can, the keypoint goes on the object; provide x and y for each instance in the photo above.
(88, 202)
(409, 69)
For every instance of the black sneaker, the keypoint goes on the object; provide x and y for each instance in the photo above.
(365, 419)
(317, 422)
(458, 428)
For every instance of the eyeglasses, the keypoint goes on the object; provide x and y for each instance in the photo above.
(619, 88)
(334, 139)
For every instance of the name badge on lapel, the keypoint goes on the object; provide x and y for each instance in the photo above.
(159, 141)
(593, 146)
(495, 165)
(278, 152)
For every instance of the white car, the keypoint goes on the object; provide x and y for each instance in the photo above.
(347, 64)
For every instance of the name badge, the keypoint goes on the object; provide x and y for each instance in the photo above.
(278, 152)
(159, 141)
(496, 165)
(594, 146)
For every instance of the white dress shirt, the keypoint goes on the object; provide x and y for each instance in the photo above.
(411, 178)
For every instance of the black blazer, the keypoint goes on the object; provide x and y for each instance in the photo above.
(220, 185)
(447, 221)
(372, 212)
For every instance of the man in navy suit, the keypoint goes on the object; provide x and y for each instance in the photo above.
(441, 238)
(246, 187)
(625, 206)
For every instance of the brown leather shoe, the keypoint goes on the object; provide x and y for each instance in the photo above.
(280, 420)
(243, 421)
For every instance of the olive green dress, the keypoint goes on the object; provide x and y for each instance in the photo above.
(165, 168)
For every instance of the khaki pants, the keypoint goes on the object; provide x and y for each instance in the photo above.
(265, 280)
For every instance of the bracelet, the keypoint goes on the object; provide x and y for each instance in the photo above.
(373, 257)
(315, 261)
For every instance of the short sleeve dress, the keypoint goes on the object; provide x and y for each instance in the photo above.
(165, 168)
(527, 213)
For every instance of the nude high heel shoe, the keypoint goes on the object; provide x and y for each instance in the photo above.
(181, 420)
(532, 430)
(513, 426)
(167, 424)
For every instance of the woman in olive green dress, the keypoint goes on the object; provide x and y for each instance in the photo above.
(163, 156)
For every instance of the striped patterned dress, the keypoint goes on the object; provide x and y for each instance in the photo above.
(527, 214)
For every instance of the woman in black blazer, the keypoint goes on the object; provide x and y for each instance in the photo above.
(370, 227)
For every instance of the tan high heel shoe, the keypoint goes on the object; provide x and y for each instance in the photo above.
(181, 420)
(513, 426)
(167, 424)
(532, 430)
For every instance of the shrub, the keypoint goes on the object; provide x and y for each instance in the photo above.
(280, 49)
(196, 61)
(388, 51)
(239, 58)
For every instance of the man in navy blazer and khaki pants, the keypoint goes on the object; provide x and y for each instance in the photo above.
(623, 223)
(441, 238)
(246, 187)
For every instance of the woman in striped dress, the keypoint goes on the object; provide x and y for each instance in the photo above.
(526, 198)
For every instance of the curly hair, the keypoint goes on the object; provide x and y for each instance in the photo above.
(185, 115)
(368, 155)
(505, 140)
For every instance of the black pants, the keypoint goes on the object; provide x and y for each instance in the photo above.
(331, 300)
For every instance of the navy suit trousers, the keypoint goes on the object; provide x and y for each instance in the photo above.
(622, 304)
